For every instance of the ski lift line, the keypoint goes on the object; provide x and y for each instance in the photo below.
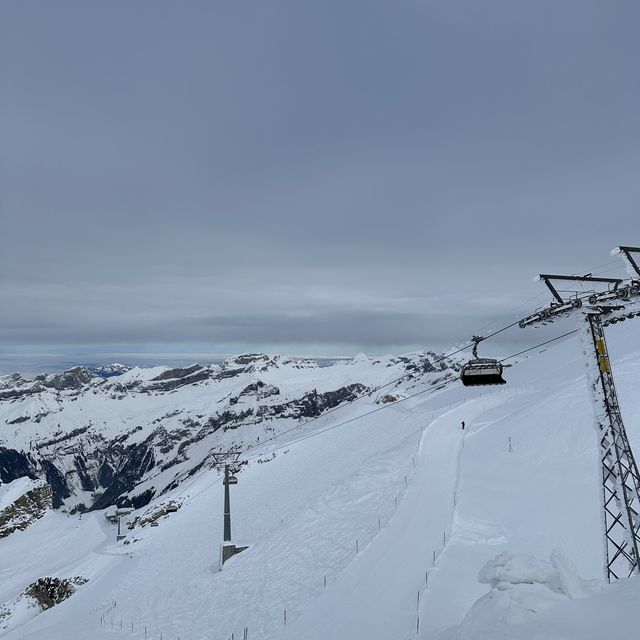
(495, 333)
(444, 357)
(609, 270)
(396, 380)
(346, 404)
(375, 389)
(564, 335)
(406, 375)
(510, 314)
(594, 270)
(368, 413)
(453, 353)
(606, 264)
(322, 415)
(341, 424)
(381, 408)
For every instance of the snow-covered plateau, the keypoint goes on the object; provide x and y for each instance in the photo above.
(367, 511)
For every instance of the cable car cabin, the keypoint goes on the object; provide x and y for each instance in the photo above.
(482, 371)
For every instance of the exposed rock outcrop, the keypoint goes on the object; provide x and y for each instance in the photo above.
(25, 509)
(14, 465)
(48, 592)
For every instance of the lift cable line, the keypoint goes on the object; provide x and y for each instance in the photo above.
(222, 458)
(620, 498)
(403, 377)
(380, 408)
(443, 358)
(434, 361)
(473, 344)
(368, 393)
(396, 380)
(564, 335)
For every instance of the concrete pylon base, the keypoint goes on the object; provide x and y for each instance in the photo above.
(228, 550)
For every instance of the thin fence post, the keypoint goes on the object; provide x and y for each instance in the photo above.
(285, 617)
(357, 546)
(325, 582)
(379, 524)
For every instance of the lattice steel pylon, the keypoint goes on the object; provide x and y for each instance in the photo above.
(620, 477)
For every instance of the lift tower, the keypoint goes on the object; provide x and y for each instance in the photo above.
(229, 462)
(620, 477)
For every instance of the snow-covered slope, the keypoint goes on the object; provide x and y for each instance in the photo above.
(371, 522)
(100, 438)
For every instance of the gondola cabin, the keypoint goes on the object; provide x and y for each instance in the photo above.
(482, 371)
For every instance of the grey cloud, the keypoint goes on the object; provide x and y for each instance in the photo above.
(403, 162)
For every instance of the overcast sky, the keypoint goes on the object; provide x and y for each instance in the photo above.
(317, 177)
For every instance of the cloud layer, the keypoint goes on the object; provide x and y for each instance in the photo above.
(326, 176)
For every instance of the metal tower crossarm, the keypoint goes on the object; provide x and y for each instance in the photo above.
(622, 291)
(628, 252)
(547, 278)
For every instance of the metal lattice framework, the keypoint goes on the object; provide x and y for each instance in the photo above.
(620, 477)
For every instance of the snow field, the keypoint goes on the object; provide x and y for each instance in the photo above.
(522, 479)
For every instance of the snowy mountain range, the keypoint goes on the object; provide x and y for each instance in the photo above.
(122, 436)
(368, 512)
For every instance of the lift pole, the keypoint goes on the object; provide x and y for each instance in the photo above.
(620, 477)
(227, 506)
(221, 462)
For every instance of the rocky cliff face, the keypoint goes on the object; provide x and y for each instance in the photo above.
(13, 465)
(120, 436)
(22, 503)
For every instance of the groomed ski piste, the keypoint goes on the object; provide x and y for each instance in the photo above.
(394, 526)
